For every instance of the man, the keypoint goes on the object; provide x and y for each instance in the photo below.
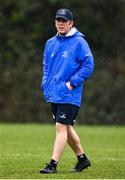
(67, 64)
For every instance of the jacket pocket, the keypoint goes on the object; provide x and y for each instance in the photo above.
(63, 90)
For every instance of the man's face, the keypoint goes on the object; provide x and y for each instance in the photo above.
(63, 26)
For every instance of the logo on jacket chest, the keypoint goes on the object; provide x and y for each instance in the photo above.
(65, 54)
(52, 55)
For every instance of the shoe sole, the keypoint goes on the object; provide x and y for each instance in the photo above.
(46, 172)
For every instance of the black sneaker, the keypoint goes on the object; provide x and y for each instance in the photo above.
(81, 165)
(48, 169)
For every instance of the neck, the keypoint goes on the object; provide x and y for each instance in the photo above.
(62, 35)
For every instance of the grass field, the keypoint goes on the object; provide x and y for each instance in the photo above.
(24, 149)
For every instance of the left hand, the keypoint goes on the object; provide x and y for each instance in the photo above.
(69, 86)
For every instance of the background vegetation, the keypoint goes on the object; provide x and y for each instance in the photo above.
(24, 28)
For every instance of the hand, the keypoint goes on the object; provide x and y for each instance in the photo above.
(69, 86)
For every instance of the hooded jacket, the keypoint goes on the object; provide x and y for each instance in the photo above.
(66, 58)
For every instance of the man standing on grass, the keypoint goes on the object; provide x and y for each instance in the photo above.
(67, 64)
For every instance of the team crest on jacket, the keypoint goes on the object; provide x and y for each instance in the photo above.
(65, 54)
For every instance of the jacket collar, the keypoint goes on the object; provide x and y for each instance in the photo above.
(71, 32)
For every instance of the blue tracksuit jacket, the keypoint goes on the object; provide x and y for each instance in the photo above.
(66, 59)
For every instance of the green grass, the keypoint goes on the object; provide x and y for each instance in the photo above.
(24, 149)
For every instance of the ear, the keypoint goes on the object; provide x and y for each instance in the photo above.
(71, 23)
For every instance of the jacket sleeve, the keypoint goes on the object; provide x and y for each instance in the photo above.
(45, 68)
(85, 70)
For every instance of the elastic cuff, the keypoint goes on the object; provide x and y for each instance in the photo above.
(72, 84)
